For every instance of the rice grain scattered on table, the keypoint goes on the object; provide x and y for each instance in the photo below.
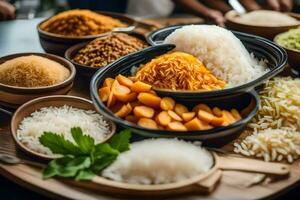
(60, 120)
(80, 23)
(220, 51)
(32, 71)
(178, 71)
(159, 161)
(104, 50)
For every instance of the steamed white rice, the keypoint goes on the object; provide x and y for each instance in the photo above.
(220, 51)
(60, 120)
(159, 161)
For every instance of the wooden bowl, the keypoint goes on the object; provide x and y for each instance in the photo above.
(58, 44)
(86, 70)
(267, 32)
(293, 57)
(57, 101)
(15, 96)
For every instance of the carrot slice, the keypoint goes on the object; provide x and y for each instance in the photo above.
(217, 121)
(124, 111)
(108, 82)
(205, 126)
(124, 80)
(205, 116)
(217, 111)
(163, 118)
(229, 119)
(188, 116)
(143, 111)
(176, 126)
(202, 106)
(111, 100)
(235, 114)
(180, 109)
(147, 123)
(132, 119)
(149, 99)
(115, 108)
(118, 89)
(140, 87)
(193, 125)
(104, 93)
(126, 97)
(167, 103)
(174, 116)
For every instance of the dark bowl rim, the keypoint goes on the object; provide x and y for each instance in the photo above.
(53, 35)
(229, 90)
(260, 26)
(107, 113)
(52, 57)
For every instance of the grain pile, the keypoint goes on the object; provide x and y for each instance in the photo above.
(290, 39)
(276, 126)
(32, 71)
(105, 50)
(178, 71)
(80, 23)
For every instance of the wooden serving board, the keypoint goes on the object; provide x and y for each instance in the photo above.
(233, 185)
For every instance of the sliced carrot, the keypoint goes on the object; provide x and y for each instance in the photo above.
(143, 111)
(205, 116)
(104, 93)
(108, 82)
(132, 78)
(153, 92)
(229, 119)
(188, 116)
(124, 111)
(119, 89)
(180, 109)
(174, 116)
(111, 100)
(235, 114)
(124, 80)
(147, 123)
(163, 118)
(132, 119)
(149, 99)
(167, 103)
(217, 112)
(217, 121)
(116, 107)
(176, 126)
(202, 106)
(126, 97)
(193, 125)
(140, 87)
(205, 126)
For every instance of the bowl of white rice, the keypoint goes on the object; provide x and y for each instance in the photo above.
(57, 114)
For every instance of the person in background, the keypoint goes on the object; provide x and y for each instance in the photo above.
(277, 5)
(7, 11)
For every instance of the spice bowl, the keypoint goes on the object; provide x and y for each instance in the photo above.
(263, 31)
(13, 96)
(85, 70)
(56, 101)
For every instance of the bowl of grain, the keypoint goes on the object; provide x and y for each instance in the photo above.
(26, 76)
(57, 114)
(264, 23)
(68, 28)
(88, 57)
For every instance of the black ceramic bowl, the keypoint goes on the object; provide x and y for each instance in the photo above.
(86, 70)
(58, 44)
(214, 137)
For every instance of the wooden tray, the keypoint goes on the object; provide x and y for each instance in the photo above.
(233, 185)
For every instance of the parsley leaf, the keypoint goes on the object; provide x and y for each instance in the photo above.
(121, 141)
(84, 142)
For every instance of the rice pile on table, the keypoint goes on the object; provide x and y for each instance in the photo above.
(276, 126)
(159, 161)
(60, 120)
(178, 71)
(32, 71)
(220, 51)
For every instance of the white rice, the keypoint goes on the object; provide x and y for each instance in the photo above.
(271, 145)
(60, 120)
(220, 51)
(159, 161)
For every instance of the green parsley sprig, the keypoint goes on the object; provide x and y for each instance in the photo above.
(84, 159)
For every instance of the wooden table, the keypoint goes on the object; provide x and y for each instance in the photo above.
(233, 185)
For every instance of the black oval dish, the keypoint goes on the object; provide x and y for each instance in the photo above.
(214, 137)
(58, 44)
(86, 70)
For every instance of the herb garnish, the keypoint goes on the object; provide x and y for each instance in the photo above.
(82, 160)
